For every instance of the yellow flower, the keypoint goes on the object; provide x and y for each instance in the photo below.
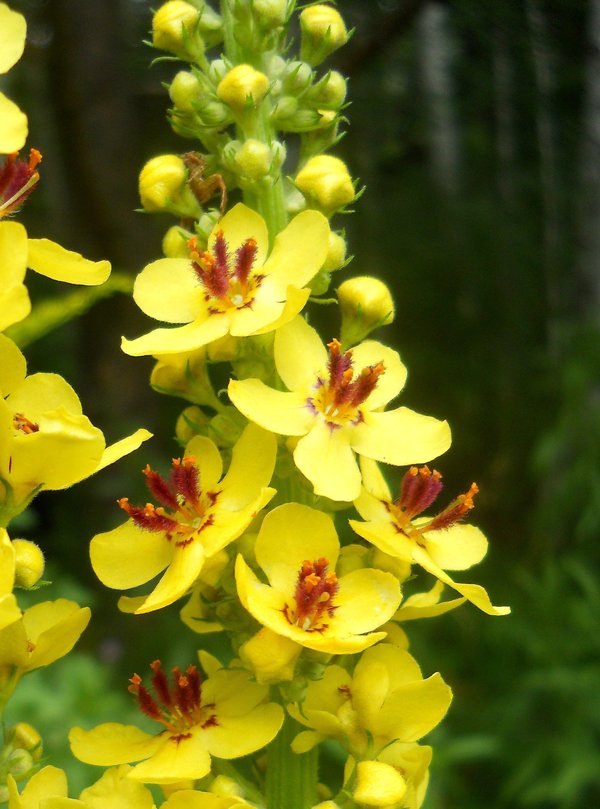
(9, 610)
(198, 516)
(297, 548)
(436, 543)
(13, 122)
(45, 440)
(385, 700)
(410, 761)
(43, 634)
(194, 799)
(226, 716)
(335, 403)
(232, 288)
(48, 787)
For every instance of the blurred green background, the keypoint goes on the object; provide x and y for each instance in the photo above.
(474, 129)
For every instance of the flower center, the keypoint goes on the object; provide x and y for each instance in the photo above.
(420, 487)
(185, 507)
(313, 597)
(338, 398)
(178, 707)
(228, 280)
(24, 425)
(17, 180)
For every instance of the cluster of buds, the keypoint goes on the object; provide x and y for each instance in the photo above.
(19, 756)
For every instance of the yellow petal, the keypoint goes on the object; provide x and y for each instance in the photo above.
(208, 460)
(53, 627)
(240, 224)
(305, 741)
(367, 599)
(299, 250)
(391, 382)
(183, 338)
(13, 254)
(128, 556)
(182, 572)
(290, 534)
(119, 449)
(14, 305)
(228, 525)
(378, 784)
(413, 709)
(9, 610)
(268, 312)
(13, 126)
(456, 548)
(169, 290)
(236, 736)
(300, 355)
(178, 759)
(384, 536)
(275, 410)
(13, 366)
(13, 30)
(251, 469)
(40, 393)
(400, 437)
(325, 457)
(113, 743)
(49, 782)
(115, 790)
(54, 261)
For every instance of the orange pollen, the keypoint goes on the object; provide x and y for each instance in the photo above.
(314, 595)
(22, 423)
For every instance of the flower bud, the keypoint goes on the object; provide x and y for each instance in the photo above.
(271, 657)
(29, 563)
(27, 737)
(326, 183)
(185, 89)
(163, 186)
(253, 159)
(270, 13)
(322, 32)
(174, 243)
(19, 763)
(330, 92)
(365, 304)
(378, 784)
(297, 77)
(336, 252)
(225, 787)
(192, 421)
(243, 87)
(175, 29)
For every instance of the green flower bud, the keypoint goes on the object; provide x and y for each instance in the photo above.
(191, 422)
(29, 563)
(326, 183)
(19, 763)
(163, 186)
(174, 243)
(185, 90)
(254, 159)
(27, 738)
(217, 71)
(297, 77)
(365, 303)
(304, 120)
(243, 86)
(336, 252)
(270, 13)
(214, 114)
(320, 283)
(330, 92)
(322, 32)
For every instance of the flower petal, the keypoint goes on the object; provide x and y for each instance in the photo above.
(128, 556)
(182, 572)
(54, 261)
(299, 250)
(177, 759)
(113, 743)
(14, 305)
(400, 437)
(268, 313)
(169, 290)
(366, 599)
(54, 627)
(325, 457)
(14, 129)
(413, 709)
(457, 547)
(384, 536)
(251, 468)
(236, 736)
(13, 253)
(13, 366)
(47, 784)
(300, 355)
(289, 535)
(40, 393)
(13, 30)
(119, 449)
(183, 338)
(391, 382)
(275, 410)
(240, 224)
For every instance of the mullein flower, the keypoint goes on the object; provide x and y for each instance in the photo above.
(298, 548)
(45, 440)
(13, 122)
(385, 700)
(226, 716)
(232, 287)
(439, 543)
(372, 779)
(199, 514)
(334, 405)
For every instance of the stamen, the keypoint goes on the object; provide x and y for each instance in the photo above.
(419, 488)
(185, 479)
(159, 487)
(17, 181)
(315, 591)
(22, 423)
(149, 517)
(244, 259)
(455, 511)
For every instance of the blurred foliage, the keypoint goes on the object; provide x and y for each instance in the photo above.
(488, 321)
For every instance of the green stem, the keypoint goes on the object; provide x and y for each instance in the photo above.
(291, 778)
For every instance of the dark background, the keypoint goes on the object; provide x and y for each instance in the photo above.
(474, 129)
